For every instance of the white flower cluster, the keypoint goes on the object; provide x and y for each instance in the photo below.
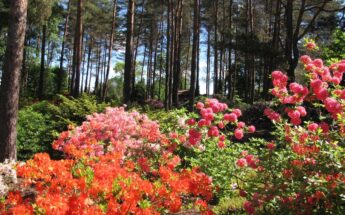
(8, 177)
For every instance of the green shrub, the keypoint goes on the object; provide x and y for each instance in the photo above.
(33, 133)
(40, 123)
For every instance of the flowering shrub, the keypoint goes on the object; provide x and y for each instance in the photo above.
(207, 139)
(210, 123)
(114, 130)
(302, 171)
(8, 177)
(117, 162)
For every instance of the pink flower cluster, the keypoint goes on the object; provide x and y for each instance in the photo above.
(321, 79)
(213, 119)
(247, 160)
(280, 90)
(114, 130)
(323, 83)
(272, 115)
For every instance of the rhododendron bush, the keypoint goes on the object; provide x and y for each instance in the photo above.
(117, 162)
(302, 170)
(209, 139)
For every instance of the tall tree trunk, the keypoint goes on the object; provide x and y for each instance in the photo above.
(252, 56)
(172, 48)
(61, 71)
(230, 87)
(78, 41)
(275, 45)
(215, 82)
(127, 89)
(111, 42)
(167, 62)
(187, 63)
(208, 64)
(90, 78)
(160, 68)
(143, 65)
(194, 53)
(83, 71)
(42, 70)
(98, 69)
(149, 67)
(289, 37)
(154, 68)
(138, 38)
(88, 66)
(177, 63)
(197, 84)
(10, 81)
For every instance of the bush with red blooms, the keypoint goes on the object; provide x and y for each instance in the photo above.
(117, 162)
(207, 138)
(210, 124)
(303, 170)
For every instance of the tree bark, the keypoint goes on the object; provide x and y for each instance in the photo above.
(208, 64)
(111, 42)
(177, 63)
(88, 66)
(215, 82)
(10, 81)
(196, 30)
(42, 70)
(79, 42)
(61, 71)
(127, 89)
(167, 62)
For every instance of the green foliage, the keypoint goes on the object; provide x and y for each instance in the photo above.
(335, 51)
(220, 165)
(33, 133)
(168, 121)
(229, 206)
(50, 83)
(40, 123)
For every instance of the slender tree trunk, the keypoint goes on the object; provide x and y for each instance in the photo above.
(149, 67)
(98, 69)
(90, 78)
(252, 56)
(83, 71)
(138, 36)
(215, 82)
(160, 68)
(167, 62)
(42, 70)
(61, 71)
(172, 59)
(197, 84)
(143, 65)
(88, 67)
(79, 42)
(127, 89)
(177, 63)
(230, 87)
(154, 69)
(208, 64)
(187, 63)
(10, 80)
(111, 41)
(194, 53)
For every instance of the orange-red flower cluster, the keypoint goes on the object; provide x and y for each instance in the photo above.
(105, 173)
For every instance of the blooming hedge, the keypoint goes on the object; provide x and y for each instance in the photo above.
(117, 162)
(302, 170)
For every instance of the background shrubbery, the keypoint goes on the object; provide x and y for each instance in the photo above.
(40, 123)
